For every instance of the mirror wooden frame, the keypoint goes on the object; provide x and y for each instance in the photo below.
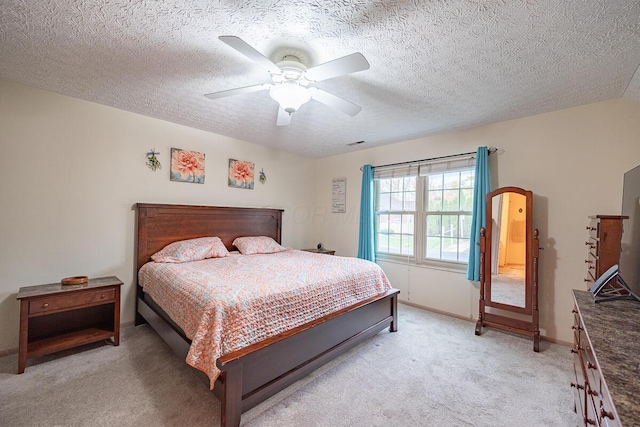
(526, 320)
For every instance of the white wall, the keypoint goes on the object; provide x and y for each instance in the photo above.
(573, 160)
(70, 172)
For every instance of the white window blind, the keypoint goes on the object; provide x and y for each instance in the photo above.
(424, 167)
(399, 171)
(447, 166)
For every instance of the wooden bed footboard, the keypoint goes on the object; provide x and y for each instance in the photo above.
(294, 354)
(254, 373)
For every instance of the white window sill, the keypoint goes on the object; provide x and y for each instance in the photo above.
(452, 267)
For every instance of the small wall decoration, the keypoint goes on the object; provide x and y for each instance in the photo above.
(263, 177)
(241, 174)
(339, 195)
(152, 160)
(187, 166)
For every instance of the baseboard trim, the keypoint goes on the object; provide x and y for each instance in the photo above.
(435, 310)
(457, 316)
(8, 352)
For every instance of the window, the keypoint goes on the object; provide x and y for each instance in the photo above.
(447, 215)
(396, 213)
(425, 216)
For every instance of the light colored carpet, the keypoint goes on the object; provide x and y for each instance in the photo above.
(433, 372)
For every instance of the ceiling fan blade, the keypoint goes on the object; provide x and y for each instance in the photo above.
(247, 50)
(284, 118)
(334, 101)
(237, 91)
(338, 67)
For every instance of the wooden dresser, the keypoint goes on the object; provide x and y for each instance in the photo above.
(605, 235)
(606, 361)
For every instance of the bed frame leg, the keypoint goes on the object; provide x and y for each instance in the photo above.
(393, 327)
(139, 320)
(231, 407)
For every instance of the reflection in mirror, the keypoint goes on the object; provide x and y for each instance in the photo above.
(508, 260)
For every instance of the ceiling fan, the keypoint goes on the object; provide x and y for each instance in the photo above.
(291, 79)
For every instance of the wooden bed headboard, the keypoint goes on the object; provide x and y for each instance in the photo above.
(158, 225)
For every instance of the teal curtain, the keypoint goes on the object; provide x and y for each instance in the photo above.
(366, 240)
(479, 215)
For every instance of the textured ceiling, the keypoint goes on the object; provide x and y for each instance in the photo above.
(436, 65)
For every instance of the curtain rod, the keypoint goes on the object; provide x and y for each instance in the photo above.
(491, 151)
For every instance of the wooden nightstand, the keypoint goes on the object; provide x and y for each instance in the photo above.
(321, 251)
(57, 317)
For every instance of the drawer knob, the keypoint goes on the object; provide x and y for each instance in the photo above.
(574, 327)
(606, 414)
(574, 311)
(45, 305)
(102, 296)
(591, 365)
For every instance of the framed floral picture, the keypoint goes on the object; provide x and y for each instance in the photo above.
(187, 166)
(241, 174)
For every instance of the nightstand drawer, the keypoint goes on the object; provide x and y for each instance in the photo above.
(74, 299)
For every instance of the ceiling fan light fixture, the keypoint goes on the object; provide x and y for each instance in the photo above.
(291, 79)
(290, 95)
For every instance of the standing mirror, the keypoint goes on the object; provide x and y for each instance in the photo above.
(509, 264)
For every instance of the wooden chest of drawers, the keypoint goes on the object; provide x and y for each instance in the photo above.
(56, 317)
(606, 353)
(605, 235)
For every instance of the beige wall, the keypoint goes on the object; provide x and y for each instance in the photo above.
(70, 172)
(573, 160)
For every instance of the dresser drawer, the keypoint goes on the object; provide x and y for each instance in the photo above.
(74, 299)
(578, 393)
(594, 229)
(578, 331)
(593, 378)
(592, 262)
(606, 413)
(591, 415)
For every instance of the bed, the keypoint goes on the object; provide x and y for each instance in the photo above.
(253, 373)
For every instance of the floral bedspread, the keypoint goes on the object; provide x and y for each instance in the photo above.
(225, 304)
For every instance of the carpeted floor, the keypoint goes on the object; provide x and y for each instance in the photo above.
(433, 372)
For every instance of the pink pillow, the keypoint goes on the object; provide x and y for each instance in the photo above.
(257, 245)
(191, 250)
